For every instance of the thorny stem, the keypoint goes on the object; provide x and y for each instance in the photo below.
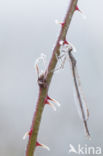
(43, 90)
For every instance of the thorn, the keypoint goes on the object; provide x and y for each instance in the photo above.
(30, 132)
(27, 134)
(49, 103)
(77, 9)
(55, 101)
(61, 23)
(37, 143)
(42, 145)
(65, 42)
(52, 105)
(83, 15)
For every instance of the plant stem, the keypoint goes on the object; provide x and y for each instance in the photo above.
(43, 91)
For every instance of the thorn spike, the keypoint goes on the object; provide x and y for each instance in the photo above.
(65, 42)
(46, 147)
(58, 22)
(52, 105)
(77, 9)
(42, 145)
(38, 144)
(30, 132)
(83, 15)
(25, 135)
(55, 101)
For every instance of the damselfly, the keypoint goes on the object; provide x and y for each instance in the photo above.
(67, 50)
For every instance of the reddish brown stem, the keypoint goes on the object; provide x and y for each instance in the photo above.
(43, 89)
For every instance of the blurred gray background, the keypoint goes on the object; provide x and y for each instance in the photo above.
(27, 29)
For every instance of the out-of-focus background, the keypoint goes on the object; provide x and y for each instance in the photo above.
(27, 29)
